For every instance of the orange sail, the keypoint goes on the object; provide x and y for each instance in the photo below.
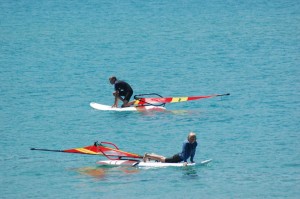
(98, 149)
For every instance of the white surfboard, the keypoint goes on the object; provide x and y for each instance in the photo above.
(161, 164)
(103, 107)
(147, 164)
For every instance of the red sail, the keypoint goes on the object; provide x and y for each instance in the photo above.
(164, 100)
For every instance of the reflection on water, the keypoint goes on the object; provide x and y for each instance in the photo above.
(171, 112)
(184, 112)
(101, 172)
(104, 171)
(125, 114)
(94, 172)
(194, 172)
(190, 171)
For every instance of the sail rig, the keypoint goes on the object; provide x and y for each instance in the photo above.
(102, 148)
(140, 100)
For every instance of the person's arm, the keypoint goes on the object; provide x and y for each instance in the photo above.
(192, 155)
(116, 94)
(193, 152)
(185, 152)
(116, 99)
(115, 102)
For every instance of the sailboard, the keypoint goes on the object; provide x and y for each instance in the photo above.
(153, 103)
(117, 157)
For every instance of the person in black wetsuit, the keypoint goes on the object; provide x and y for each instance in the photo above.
(122, 88)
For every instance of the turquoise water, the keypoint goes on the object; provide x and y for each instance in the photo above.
(56, 57)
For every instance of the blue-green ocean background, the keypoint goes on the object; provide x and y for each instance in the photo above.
(56, 57)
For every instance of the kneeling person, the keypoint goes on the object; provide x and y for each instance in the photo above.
(121, 89)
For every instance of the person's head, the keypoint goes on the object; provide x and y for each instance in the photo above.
(112, 79)
(191, 137)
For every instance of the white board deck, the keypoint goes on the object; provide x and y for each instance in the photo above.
(102, 107)
(147, 164)
(160, 164)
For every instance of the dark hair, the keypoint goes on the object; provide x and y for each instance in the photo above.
(112, 78)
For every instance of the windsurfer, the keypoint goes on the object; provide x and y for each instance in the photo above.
(122, 88)
(188, 151)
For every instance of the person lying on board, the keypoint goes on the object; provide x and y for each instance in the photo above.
(188, 151)
(122, 88)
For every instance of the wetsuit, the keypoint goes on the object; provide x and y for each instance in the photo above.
(124, 89)
(188, 151)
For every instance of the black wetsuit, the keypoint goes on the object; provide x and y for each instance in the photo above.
(124, 89)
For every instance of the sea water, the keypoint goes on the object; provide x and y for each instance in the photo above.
(56, 58)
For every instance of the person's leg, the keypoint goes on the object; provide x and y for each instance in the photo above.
(117, 97)
(174, 159)
(154, 157)
(126, 99)
(125, 103)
